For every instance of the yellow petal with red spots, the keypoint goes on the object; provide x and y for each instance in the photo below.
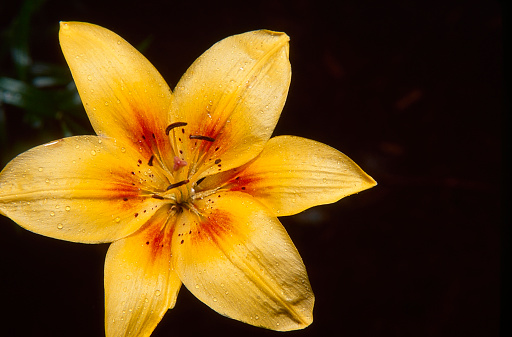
(292, 174)
(231, 98)
(124, 95)
(237, 258)
(140, 283)
(83, 189)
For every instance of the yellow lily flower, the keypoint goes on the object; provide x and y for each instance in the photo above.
(187, 185)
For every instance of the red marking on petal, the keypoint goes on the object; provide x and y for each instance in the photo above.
(241, 182)
(158, 238)
(216, 225)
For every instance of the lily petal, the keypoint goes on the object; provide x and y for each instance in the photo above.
(292, 174)
(233, 95)
(238, 259)
(82, 189)
(124, 95)
(140, 283)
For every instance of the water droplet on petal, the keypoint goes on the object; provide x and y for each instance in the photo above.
(157, 293)
(123, 150)
(89, 77)
(197, 286)
(52, 213)
(68, 208)
(40, 169)
(215, 299)
(59, 226)
(118, 219)
(93, 152)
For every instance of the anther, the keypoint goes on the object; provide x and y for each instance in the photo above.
(156, 196)
(150, 162)
(174, 125)
(178, 184)
(208, 139)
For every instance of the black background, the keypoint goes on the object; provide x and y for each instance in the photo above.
(410, 90)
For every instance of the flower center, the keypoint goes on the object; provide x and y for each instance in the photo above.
(184, 176)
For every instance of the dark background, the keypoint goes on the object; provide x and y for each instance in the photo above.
(411, 90)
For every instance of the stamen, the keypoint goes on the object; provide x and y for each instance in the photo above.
(150, 162)
(208, 139)
(174, 125)
(178, 184)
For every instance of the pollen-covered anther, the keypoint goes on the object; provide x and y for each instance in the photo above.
(179, 163)
(174, 125)
(178, 184)
(208, 139)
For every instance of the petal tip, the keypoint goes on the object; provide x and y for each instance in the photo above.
(282, 35)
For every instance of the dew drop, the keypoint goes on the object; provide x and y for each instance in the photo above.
(40, 169)
(123, 150)
(59, 226)
(100, 141)
(93, 152)
(106, 103)
(157, 293)
(52, 213)
(67, 208)
(118, 42)
(197, 286)
(47, 180)
(89, 77)
(128, 277)
(118, 219)
(215, 299)
(257, 317)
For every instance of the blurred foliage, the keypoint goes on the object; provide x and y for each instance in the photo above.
(38, 100)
